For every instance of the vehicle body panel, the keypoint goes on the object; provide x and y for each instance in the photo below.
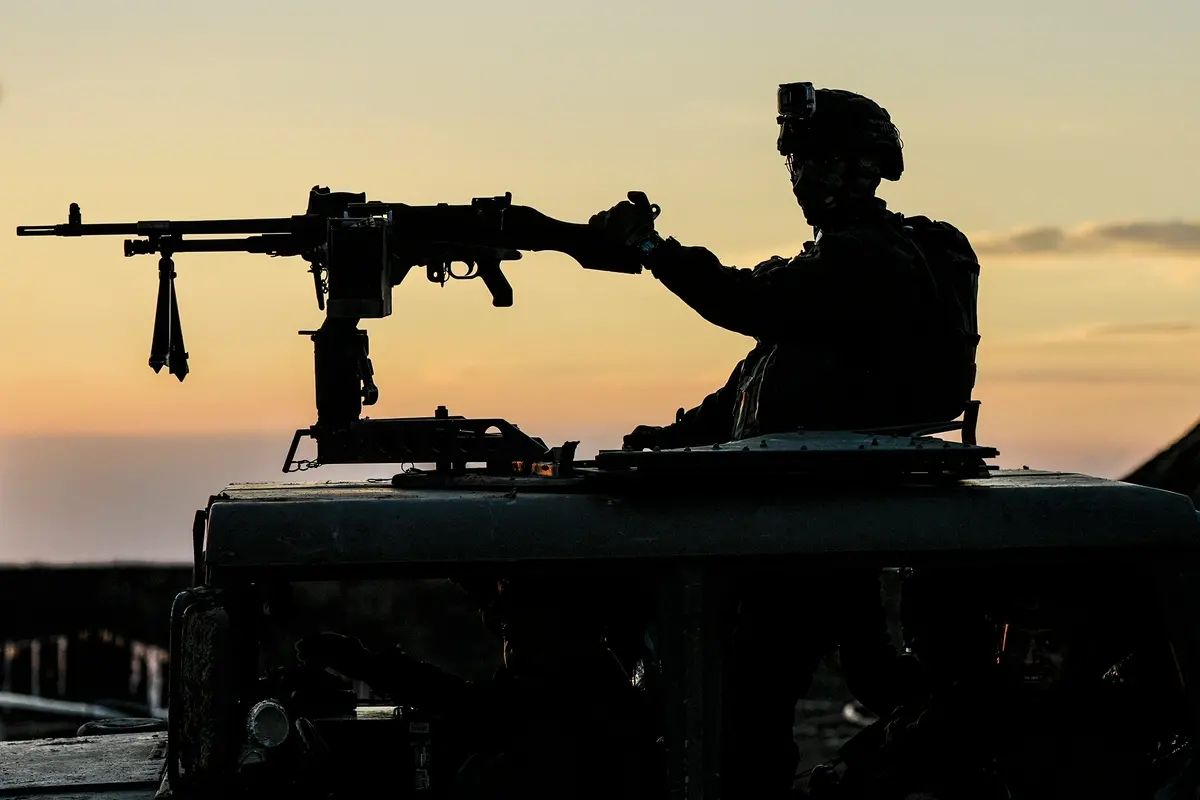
(349, 524)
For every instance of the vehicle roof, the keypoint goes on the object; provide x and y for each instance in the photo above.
(505, 520)
(126, 766)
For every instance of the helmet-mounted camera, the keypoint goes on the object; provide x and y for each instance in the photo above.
(796, 104)
(796, 101)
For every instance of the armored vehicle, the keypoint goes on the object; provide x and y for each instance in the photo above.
(1053, 616)
(656, 540)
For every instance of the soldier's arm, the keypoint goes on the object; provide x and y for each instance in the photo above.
(786, 302)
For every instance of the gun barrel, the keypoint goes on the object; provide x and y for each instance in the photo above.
(103, 229)
(202, 227)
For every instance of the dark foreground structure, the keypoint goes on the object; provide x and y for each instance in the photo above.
(92, 641)
(1176, 468)
(664, 537)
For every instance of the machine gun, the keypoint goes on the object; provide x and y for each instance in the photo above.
(358, 250)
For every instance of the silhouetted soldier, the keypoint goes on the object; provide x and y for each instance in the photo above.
(873, 325)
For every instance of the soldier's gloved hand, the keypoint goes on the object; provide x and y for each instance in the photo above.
(344, 654)
(628, 222)
(644, 436)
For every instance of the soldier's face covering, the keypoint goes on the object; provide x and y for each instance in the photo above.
(817, 184)
(827, 185)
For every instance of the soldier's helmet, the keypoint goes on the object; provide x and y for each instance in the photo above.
(837, 122)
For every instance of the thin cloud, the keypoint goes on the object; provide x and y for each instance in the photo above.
(1095, 377)
(1101, 334)
(1119, 330)
(1168, 238)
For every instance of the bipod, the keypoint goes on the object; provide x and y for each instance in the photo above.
(166, 347)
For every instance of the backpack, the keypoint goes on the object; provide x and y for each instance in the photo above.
(954, 274)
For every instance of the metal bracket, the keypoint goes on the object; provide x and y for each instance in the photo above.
(447, 441)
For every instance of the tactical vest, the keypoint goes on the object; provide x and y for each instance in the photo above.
(943, 342)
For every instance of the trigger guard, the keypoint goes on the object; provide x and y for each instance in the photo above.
(472, 271)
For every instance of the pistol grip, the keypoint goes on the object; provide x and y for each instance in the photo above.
(495, 281)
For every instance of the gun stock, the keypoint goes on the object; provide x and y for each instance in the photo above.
(495, 222)
(579, 241)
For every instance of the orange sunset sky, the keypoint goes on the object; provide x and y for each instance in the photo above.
(1061, 137)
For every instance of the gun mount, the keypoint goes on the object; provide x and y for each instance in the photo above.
(357, 251)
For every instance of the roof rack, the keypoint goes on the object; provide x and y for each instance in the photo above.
(815, 452)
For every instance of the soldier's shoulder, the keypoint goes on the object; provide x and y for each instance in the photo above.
(923, 223)
(939, 232)
(855, 242)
